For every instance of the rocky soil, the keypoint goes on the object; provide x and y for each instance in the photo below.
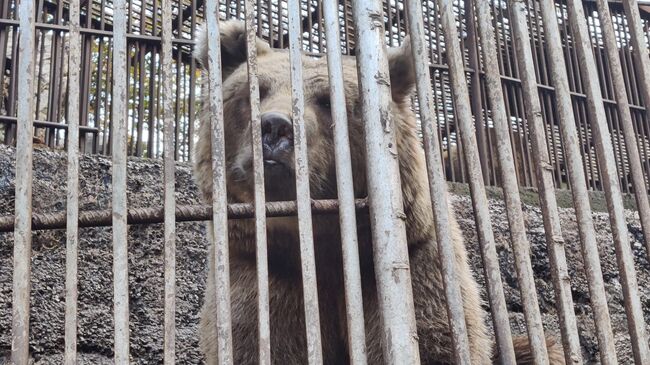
(146, 266)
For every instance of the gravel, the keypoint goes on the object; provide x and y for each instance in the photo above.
(146, 266)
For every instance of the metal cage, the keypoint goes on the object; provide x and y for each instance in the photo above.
(533, 93)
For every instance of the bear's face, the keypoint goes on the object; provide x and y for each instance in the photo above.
(276, 117)
(277, 128)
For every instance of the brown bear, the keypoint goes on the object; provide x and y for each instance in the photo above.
(288, 343)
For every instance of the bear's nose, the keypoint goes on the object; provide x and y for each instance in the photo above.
(277, 133)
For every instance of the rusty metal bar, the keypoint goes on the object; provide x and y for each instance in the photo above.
(520, 244)
(169, 348)
(23, 204)
(263, 296)
(184, 213)
(219, 226)
(608, 173)
(72, 207)
(345, 188)
(635, 25)
(440, 205)
(384, 188)
(305, 229)
(119, 199)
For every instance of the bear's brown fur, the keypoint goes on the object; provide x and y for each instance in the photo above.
(288, 344)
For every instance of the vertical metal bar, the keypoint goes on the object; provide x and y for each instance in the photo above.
(131, 89)
(521, 246)
(506, 164)
(23, 207)
(555, 242)
(303, 200)
(384, 188)
(13, 87)
(109, 110)
(192, 96)
(177, 110)
(40, 44)
(4, 42)
(345, 189)
(169, 181)
(440, 205)
(609, 176)
(219, 226)
(153, 99)
(643, 73)
(269, 14)
(158, 112)
(85, 85)
(99, 92)
(119, 206)
(264, 331)
(142, 47)
(73, 187)
(576, 173)
(183, 120)
(477, 105)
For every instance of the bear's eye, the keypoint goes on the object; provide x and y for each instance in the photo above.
(264, 92)
(324, 101)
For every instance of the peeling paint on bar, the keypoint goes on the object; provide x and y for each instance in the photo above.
(305, 230)
(119, 201)
(263, 301)
(218, 228)
(72, 208)
(169, 179)
(347, 213)
(384, 190)
(440, 204)
(23, 204)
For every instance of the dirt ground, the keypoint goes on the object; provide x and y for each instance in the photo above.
(146, 266)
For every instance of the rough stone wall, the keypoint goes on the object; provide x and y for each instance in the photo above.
(146, 266)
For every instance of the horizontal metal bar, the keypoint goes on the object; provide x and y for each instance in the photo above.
(40, 123)
(98, 32)
(184, 213)
(572, 93)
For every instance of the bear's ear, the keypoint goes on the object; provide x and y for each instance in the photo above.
(402, 73)
(233, 46)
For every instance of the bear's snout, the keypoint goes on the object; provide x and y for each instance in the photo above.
(277, 140)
